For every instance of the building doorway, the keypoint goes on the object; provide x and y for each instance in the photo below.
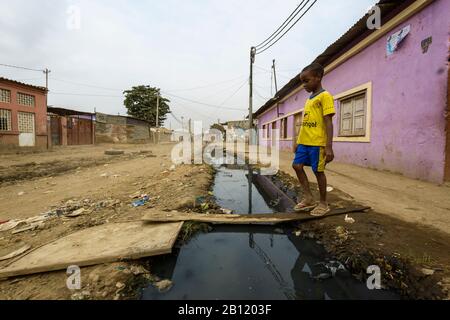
(27, 136)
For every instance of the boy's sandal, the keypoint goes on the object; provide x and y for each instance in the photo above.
(302, 206)
(320, 211)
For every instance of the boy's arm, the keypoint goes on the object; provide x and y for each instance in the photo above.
(329, 154)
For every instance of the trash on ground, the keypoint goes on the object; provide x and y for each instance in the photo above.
(31, 227)
(427, 272)
(16, 253)
(329, 189)
(349, 219)
(164, 285)
(143, 200)
(226, 211)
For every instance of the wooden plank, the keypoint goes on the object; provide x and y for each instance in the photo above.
(101, 244)
(159, 216)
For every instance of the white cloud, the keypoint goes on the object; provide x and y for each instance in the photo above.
(171, 44)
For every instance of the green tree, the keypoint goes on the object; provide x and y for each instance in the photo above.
(141, 103)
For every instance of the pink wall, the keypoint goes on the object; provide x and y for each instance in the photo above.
(409, 99)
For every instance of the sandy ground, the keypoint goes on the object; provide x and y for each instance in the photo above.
(106, 185)
(391, 194)
(406, 233)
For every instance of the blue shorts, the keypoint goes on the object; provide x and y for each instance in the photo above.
(311, 156)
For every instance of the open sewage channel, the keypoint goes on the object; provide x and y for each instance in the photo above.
(254, 262)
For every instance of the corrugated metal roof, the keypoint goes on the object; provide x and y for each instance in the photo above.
(68, 112)
(359, 31)
(23, 84)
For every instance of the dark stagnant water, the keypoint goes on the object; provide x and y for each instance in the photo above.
(253, 262)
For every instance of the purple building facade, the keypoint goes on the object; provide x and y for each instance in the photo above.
(391, 107)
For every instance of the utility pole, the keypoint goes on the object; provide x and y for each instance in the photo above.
(250, 102)
(190, 129)
(275, 76)
(276, 86)
(46, 71)
(157, 118)
(157, 111)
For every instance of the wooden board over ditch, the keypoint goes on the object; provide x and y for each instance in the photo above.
(274, 218)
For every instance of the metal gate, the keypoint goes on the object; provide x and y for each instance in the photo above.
(55, 128)
(79, 131)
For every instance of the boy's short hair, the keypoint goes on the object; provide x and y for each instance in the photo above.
(316, 68)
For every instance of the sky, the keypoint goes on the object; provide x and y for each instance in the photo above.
(195, 51)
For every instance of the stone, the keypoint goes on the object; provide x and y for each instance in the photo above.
(164, 285)
(427, 272)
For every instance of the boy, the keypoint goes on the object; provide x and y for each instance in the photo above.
(315, 141)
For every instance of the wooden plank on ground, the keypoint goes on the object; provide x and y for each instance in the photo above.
(101, 244)
(274, 218)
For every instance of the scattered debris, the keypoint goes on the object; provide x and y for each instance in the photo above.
(143, 200)
(104, 175)
(342, 233)
(298, 233)
(172, 168)
(330, 188)
(278, 230)
(114, 152)
(31, 227)
(16, 253)
(164, 285)
(427, 272)
(76, 213)
(21, 193)
(226, 211)
(349, 219)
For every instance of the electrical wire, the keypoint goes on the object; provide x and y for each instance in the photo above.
(279, 38)
(282, 27)
(23, 68)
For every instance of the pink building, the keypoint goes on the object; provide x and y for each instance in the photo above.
(392, 105)
(23, 115)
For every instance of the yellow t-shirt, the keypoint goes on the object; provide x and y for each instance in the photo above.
(313, 131)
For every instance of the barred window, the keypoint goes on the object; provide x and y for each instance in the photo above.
(26, 122)
(25, 99)
(5, 96)
(5, 120)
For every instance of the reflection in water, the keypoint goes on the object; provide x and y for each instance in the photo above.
(252, 262)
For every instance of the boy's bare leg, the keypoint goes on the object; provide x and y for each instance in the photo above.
(301, 175)
(322, 181)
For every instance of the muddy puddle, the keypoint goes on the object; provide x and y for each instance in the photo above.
(254, 262)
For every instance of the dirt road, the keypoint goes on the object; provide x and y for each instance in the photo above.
(105, 186)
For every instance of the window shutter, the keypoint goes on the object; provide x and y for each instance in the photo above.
(359, 115)
(346, 123)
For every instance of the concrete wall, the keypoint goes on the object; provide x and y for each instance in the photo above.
(115, 129)
(409, 98)
(10, 139)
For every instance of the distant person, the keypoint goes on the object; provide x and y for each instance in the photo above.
(315, 141)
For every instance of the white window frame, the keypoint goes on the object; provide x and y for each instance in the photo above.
(367, 88)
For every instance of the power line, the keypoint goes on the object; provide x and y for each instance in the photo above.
(201, 103)
(23, 68)
(84, 94)
(84, 85)
(282, 27)
(279, 38)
